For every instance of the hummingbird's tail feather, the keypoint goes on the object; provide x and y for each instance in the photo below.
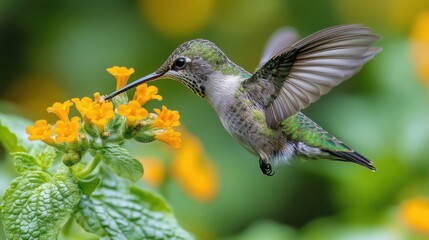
(354, 157)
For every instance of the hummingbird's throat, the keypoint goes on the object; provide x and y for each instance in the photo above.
(194, 84)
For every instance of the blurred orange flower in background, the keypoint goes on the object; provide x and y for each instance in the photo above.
(178, 18)
(154, 171)
(191, 168)
(419, 41)
(415, 213)
(194, 171)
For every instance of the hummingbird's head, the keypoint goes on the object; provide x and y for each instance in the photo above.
(192, 63)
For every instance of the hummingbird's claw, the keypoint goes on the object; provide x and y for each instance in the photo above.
(266, 168)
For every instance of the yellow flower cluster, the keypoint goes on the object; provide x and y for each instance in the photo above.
(98, 112)
(65, 130)
(133, 111)
(94, 111)
(40, 131)
(163, 122)
(166, 120)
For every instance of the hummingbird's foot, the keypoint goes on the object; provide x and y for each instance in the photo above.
(266, 168)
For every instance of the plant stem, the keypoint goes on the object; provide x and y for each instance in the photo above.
(89, 168)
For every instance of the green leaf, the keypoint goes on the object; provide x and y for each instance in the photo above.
(25, 162)
(155, 203)
(145, 136)
(121, 162)
(89, 187)
(267, 229)
(2, 234)
(119, 211)
(46, 158)
(37, 205)
(13, 135)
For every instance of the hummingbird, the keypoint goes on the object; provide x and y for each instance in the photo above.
(262, 111)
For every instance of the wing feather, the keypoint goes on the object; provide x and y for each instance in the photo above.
(281, 39)
(299, 75)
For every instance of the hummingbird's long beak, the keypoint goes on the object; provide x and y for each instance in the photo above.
(139, 81)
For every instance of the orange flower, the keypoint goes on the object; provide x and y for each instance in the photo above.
(95, 111)
(67, 131)
(170, 137)
(166, 118)
(98, 98)
(61, 110)
(133, 112)
(121, 74)
(99, 114)
(144, 93)
(83, 105)
(154, 171)
(194, 171)
(40, 131)
(415, 213)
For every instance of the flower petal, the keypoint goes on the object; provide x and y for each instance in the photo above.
(144, 93)
(170, 137)
(166, 118)
(61, 110)
(67, 131)
(40, 131)
(121, 75)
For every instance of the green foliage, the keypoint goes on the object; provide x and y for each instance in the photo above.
(25, 162)
(13, 136)
(118, 210)
(381, 112)
(89, 186)
(262, 229)
(121, 162)
(38, 203)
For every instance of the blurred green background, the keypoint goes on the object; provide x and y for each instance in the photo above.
(55, 50)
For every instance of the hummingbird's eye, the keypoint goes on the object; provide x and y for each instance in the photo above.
(179, 63)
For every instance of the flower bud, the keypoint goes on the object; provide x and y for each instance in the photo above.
(71, 158)
(145, 136)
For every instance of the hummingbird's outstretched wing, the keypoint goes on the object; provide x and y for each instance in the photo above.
(281, 39)
(298, 75)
